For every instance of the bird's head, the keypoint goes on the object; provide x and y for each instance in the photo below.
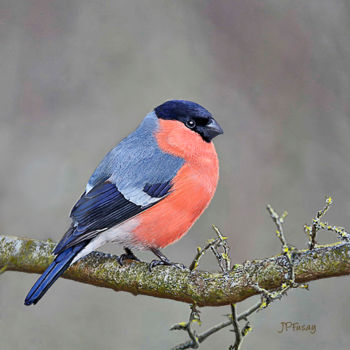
(192, 117)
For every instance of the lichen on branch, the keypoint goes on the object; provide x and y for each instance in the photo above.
(194, 287)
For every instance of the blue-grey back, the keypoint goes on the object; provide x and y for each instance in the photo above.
(137, 160)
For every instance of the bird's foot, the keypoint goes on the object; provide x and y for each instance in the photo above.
(163, 261)
(128, 255)
(155, 263)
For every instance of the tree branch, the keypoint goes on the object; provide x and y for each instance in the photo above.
(196, 287)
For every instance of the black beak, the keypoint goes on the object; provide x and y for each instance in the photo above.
(213, 129)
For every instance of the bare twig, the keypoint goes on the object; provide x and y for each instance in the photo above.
(317, 225)
(223, 258)
(220, 249)
(243, 316)
(340, 231)
(311, 231)
(201, 252)
(236, 329)
(286, 250)
(187, 326)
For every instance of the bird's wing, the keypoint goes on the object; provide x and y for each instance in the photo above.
(104, 206)
(132, 177)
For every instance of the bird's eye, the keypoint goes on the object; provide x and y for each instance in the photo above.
(191, 124)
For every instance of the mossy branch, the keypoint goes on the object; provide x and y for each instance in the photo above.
(196, 287)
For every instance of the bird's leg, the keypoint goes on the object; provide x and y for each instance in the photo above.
(128, 255)
(163, 260)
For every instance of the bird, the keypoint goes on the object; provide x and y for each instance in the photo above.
(146, 193)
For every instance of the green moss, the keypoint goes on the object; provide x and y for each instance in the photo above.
(204, 288)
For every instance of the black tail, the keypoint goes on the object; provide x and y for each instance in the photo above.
(55, 270)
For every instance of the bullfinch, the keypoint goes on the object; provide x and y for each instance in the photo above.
(147, 191)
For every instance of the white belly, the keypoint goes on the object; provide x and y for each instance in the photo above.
(121, 234)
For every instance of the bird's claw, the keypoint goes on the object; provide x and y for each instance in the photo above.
(163, 260)
(128, 255)
(155, 263)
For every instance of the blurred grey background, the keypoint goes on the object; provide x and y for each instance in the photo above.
(77, 76)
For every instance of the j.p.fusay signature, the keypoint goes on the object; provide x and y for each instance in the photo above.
(296, 327)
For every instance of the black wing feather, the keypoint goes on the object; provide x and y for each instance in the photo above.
(102, 208)
(158, 190)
